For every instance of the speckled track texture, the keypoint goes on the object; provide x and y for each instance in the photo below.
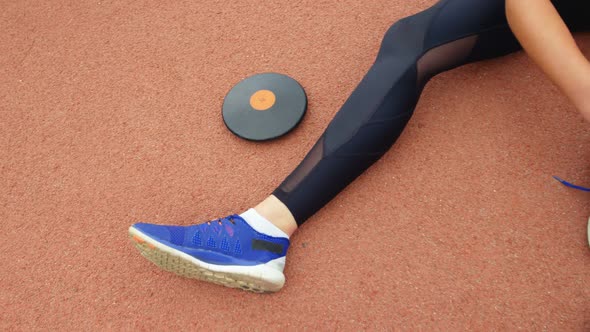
(110, 114)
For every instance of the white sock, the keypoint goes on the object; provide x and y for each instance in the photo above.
(261, 224)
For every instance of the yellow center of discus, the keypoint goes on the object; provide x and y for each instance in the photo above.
(262, 100)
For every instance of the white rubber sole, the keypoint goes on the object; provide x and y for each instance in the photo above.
(259, 278)
(589, 231)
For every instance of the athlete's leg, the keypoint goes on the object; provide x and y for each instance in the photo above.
(447, 35)
(537, 24)
(249, 251)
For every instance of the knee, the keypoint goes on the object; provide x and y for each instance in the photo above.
(406, 36)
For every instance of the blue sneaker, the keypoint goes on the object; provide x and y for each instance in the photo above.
(226, 251)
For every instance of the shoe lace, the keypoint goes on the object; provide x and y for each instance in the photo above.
(571, 185)
(220, 220)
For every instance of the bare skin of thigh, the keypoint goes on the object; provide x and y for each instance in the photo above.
(547, 40)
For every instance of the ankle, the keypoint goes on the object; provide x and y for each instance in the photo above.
(273, 210)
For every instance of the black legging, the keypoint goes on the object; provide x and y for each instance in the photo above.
(445, 36)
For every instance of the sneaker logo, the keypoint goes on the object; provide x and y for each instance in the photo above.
(267, 246)
(229, 230)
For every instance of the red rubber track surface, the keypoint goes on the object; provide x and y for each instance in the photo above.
(111, 114)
